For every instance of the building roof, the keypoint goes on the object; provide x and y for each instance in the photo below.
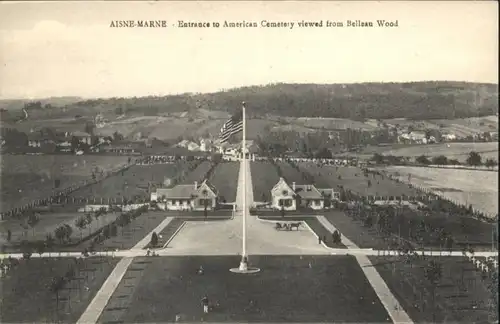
(307, 192)
(183, 143)
(36, 136)
(326, 191)
(185, 191)
(80, 134)
(417, 135)
(193, 146)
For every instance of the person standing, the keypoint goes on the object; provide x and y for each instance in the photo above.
(204, 302)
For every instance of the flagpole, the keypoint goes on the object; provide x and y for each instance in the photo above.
(244, 164)
(243, 268)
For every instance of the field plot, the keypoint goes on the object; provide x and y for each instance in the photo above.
(134, 182)
(27, 296)
(48, 223)
(469, 126)
(352, 178)
(325, 289)
(464, 230)
(225, 179)
(474, 187)
(355, 231)
(129, 235)
(291, 174)
(25, 178)
(458, 151)
(332, 123)
(264, 177)
(462, 296)
(197, 174)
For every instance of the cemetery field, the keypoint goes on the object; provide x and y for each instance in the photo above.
(264, 177)
(461, 294)
(27, 296)
(225, 178)
(465, 187)
(352, 178)
(29, 177)
(197, 174)
(133, 183)
(325, 289)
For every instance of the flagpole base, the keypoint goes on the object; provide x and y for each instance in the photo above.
(244, 268)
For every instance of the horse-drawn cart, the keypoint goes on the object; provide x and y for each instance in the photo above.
(286, 226)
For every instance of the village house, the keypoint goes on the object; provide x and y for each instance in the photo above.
(83, 137)
(40, 142)
(187, 197)
(449, 137)
(416, 137)
(192, 146)
(296, 196)
(205, 145)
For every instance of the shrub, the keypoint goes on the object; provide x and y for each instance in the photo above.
(154, 239)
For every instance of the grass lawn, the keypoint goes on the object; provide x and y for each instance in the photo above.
(167, 233)
(26, 294)
(225, 179)
(286, 290)
(354, 230)
(461, 294)
(474, 232)
(264, 177)
(25, 178)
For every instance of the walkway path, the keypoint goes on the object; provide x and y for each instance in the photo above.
(192, 252)
(391, 304)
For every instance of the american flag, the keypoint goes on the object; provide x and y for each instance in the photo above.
(233, 126)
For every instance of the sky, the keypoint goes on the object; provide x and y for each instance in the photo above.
(50, 49)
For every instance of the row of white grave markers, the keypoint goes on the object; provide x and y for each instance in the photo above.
(483, 266)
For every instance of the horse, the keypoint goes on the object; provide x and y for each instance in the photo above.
(278, 226)
(294, 225)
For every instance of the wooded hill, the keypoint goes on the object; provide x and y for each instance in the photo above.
(415, 100)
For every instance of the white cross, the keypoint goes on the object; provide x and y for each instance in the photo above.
(495, 263)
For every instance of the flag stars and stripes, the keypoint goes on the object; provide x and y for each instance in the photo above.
(230, 127)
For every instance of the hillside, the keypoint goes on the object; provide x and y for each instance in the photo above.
(419, 100)
(274, 108)
(416, 100)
